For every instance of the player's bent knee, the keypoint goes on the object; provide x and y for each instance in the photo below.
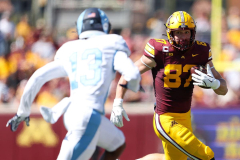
(118, 142)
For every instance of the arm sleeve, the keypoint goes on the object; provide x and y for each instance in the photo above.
(48, 72)
(124, 65)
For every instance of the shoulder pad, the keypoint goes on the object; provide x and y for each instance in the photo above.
(119, 43)
(205, 48)
(149, 48)
(155, 46)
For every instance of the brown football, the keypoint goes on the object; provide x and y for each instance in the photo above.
(202, 69)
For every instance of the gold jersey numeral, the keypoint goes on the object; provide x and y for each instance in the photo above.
(161, 41)
(176, 76)
(201, 43)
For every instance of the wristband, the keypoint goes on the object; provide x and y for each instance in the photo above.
(118, 101)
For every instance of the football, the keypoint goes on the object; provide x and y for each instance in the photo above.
(202, 69)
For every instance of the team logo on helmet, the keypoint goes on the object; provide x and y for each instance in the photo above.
(91, 15)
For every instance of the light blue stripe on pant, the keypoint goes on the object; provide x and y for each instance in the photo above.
(87, 137)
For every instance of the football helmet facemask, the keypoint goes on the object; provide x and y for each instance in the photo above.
(180, 20)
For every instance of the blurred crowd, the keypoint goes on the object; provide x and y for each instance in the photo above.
(24, 48)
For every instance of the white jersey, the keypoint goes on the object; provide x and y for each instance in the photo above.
(90, 65)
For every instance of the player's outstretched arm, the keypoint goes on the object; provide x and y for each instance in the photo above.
(41, 76)
(143, 64)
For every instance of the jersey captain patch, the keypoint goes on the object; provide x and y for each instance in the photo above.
(149, 49)
(165, 49)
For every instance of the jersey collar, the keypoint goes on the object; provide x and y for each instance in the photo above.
(89, 34)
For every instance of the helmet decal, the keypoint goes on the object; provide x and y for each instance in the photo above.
(91, 15)
(168, 21)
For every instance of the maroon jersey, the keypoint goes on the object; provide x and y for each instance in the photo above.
(172, 80)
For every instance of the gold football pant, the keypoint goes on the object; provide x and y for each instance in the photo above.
(175, 131)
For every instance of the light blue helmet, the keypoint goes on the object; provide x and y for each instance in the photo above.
(93, 19)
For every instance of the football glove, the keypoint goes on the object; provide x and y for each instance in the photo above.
(118, 113)
(15, 121)
(205, 80)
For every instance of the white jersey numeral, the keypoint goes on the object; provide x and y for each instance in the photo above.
(93, 69)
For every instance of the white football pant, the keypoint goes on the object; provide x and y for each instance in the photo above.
(87, 128)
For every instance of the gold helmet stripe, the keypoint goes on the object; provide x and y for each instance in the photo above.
(182, 19)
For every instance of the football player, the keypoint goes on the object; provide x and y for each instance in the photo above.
(170, 62)
(90, 63)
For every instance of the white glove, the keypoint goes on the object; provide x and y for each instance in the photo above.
(117, 113)
(15, 121)
(205, 80)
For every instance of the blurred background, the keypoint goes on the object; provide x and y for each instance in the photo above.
(32, 31)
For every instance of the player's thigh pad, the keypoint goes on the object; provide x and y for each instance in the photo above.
(110, 137)
(80, 144)
(175, 130)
